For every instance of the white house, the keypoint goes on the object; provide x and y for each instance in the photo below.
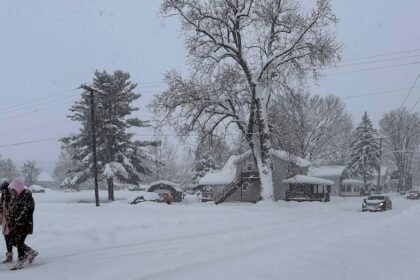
(351, 187)
(335, 173)
(44, 179)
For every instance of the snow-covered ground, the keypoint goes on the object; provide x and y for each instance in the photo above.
(193, 240)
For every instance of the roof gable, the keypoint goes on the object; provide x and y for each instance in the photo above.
(327, 171)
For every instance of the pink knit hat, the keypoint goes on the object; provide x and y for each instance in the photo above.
(17, 185)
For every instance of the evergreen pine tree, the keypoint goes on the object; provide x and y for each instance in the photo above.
(8, 170)
(364, 151)
(119, 156)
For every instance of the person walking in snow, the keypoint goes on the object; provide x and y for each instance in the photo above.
(4, 208)
(20, 221)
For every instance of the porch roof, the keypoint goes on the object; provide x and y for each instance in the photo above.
(283, 155)
(303, 179)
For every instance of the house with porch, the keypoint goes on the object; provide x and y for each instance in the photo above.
(384, 179)
(335, 173)
(351, 187)
(307, 188)
(239, 179)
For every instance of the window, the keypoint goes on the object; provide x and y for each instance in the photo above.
(343, 188)
(249, 166)
(349, 188)
(245, 187)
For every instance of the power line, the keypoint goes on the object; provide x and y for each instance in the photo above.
(33, 128)
(34, 111)
(381, 55)
(409, 92)
(377, 61)
(377, 93)
(30, 142)
(36, 104)
(373, 68)
(37, 100)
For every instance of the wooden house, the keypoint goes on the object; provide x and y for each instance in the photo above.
(239, 179)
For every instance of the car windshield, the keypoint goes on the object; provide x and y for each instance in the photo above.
(376, 197)
(415, 192)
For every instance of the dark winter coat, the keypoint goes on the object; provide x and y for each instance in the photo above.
(4, 207)
(21, 210)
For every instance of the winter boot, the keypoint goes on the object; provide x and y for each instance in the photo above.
(9, 258)
(18, 265)
(30, 255)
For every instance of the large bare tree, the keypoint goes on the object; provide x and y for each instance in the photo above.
(311, 126)
(235, 49)
(402, 131)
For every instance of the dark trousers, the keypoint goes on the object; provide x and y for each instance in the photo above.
(9, 245)
(18, 240)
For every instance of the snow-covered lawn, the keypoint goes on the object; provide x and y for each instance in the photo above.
(193, 240)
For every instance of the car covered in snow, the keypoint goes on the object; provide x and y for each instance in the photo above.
(145, 196)
(376, 202)
(136, 188)
(413, 195)
(37, 189)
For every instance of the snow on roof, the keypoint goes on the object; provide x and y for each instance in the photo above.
(352, 182)
(289, 157)
(384, 171)
(280, 155)
(176, 186)
(222, 177)
(45, 177)
(303, 179)
(326, 171)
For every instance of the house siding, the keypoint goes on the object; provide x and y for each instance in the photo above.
(281, 170)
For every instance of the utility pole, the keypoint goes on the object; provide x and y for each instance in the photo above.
(380, 159)
(92, 116)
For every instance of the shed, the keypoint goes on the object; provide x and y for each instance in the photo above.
(162, 186)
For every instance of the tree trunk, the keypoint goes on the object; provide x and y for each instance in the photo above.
(110, 182)
(266, 177)
(263, 153)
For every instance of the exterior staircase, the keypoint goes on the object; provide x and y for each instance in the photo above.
(227, 191)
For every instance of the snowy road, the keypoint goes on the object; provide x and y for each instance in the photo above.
(232, 241)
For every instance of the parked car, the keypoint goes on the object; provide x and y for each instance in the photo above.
(37, 189)
(145, 196)
(413, 195)
(135, 188)
(376, 203)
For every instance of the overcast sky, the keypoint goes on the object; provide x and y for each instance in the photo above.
(49, 47)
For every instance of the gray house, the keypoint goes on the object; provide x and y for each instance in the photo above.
(335, 173)
(239, 179)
